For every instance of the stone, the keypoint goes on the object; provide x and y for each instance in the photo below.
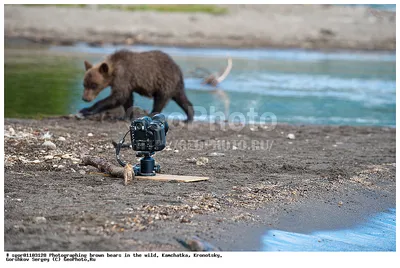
(49, 145)
(202, 161)
(191, 160)
(12, 131)
(66, 156)
(39, 220)
(46, 136)
(216, 154)
(291, 136)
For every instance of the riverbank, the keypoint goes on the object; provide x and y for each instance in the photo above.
(279, 26)
(326, 177)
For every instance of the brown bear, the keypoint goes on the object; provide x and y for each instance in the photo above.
(153, 74)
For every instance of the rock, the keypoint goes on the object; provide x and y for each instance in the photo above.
(61, 139)
(79, 116)
(202, 161)
(12, 131)
(90, 134)
(49, 145)
(82, 172)
(66, 156)
(36, 161)
(195, 207)
(234, 147)
(216, 154)
(46, 136)
(191, 160)
(39, 220)
(176, 151)
(48, 157)
(291, 136)
(197, 244)
(60, 166)
(75, 160)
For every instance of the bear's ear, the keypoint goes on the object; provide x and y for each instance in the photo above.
(104, 68)
(88, 65)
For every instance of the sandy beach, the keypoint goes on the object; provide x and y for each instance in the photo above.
(279, 26)
(322, 177)
(327, 177)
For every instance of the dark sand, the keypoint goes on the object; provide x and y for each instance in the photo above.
(327, 177)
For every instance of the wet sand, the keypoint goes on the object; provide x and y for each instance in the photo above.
(327, 177)
(279, 26)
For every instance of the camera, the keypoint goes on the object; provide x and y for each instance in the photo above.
(148, 134)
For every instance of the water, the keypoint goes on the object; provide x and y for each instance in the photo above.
(296, 86)
(377, 234)
(386, 7)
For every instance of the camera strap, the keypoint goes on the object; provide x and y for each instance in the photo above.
(118, 148)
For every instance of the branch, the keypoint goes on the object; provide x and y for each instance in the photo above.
(214, 80)
(113, 170)
(226, 71)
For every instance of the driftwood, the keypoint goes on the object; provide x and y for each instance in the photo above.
(210, 78)
(129, 175)
(105, 166)
(215, 79)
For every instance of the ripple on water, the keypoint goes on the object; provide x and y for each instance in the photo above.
(377, 234)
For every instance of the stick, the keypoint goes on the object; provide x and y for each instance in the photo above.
(104, 166)
(128, 174)
(214, 80)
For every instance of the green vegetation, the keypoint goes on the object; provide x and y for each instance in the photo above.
(211, 9)
(58, 5)
(32, 90)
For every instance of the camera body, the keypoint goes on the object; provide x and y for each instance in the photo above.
(149, 134)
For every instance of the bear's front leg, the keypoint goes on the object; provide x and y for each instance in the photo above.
(108, 103)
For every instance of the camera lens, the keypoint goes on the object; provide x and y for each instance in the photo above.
(159, 117)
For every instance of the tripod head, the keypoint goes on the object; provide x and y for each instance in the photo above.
(148, 135)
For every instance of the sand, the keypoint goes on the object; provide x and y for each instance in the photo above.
(327, 177)
(278, 26)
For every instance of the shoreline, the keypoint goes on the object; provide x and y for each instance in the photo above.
(247, 26)
(327, 177)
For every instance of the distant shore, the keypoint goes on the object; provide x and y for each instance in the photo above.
(243, 26)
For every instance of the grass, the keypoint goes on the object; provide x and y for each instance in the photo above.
(210, 9)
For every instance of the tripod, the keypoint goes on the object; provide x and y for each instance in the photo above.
(147, 166)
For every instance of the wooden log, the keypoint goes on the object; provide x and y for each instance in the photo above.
(128, 174)
(103, 165)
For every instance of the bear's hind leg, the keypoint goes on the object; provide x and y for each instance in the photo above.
(185, 104)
